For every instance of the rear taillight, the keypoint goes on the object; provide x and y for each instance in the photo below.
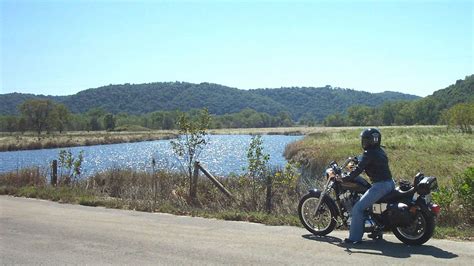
(435, 208)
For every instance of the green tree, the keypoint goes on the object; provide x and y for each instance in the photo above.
(191, 139)
(462, 116)
(70, 167)
(94, 124)
(360, 115)
(9, 123)
(285, 119)
(109, 121)
(257, 171)
(63, 117)
(94, 116)
(38, 114)
(335, 120)
(22, 125)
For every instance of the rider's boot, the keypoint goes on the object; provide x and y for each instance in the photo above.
(376, 235)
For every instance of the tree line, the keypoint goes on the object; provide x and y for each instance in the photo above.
(424, 112)
(140, 99)
(41, 115)
(44, 115)
(452, 106)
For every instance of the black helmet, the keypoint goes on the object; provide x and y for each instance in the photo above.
(370, 138)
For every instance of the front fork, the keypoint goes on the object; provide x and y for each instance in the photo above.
(324, 192)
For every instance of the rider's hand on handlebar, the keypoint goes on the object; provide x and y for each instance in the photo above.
(344, 176)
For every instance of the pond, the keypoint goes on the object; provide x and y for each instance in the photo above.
(224, 155)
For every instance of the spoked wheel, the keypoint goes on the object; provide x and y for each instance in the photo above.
(319, 222)
(418, 232)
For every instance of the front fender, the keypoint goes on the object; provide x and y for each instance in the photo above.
(317, 193)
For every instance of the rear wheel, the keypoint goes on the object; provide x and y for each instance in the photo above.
(418, 232)
(319, 222)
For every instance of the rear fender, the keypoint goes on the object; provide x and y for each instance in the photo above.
(420, 202)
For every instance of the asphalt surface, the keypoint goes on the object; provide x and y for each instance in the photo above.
(42, 232)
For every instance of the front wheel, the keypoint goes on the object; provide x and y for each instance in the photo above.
(418, 232)
(319, 222)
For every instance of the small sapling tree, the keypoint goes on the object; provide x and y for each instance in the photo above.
(191, 140)
(257, 172)
(70, 167)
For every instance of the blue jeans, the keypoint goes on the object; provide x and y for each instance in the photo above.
(377, 191)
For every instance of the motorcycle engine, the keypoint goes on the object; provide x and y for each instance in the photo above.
(348, 199)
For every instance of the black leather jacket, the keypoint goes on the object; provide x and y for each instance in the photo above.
(375, 164)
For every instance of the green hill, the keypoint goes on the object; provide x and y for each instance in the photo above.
(306, 103)
(316, 103)
(460, 92)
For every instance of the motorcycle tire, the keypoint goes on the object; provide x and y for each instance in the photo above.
(420, 231)
(309, 216)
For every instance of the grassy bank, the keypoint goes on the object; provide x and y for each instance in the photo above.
(31, 141)
(432, 150)
(161, 192)
(168, 193)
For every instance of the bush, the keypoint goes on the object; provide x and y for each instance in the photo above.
(464, 189)
(457, 200)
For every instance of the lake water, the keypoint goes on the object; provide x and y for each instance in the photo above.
(225, 154)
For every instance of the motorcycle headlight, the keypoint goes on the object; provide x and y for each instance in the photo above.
(351, 165)
(330, 173)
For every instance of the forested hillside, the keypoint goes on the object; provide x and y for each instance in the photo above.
(452, 105)
(460, 92)
(313, 103)
(317, 103)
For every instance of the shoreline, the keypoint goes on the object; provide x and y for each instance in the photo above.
(28, 141)
(31, 141)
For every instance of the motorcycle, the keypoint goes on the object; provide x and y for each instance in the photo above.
(407, 211)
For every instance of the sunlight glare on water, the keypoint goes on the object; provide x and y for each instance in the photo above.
(225, 154)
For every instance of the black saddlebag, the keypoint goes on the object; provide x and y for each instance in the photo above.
(397, 214)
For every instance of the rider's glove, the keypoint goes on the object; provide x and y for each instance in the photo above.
(345, 176)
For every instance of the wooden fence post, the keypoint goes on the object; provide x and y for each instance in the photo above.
(155, 182)
(214, 180)
(193, 185)
(268, 202)
(54, 176)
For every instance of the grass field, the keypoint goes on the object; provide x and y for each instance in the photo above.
(432, 150)
(435, 151)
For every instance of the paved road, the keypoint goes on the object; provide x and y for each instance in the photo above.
(42, 232)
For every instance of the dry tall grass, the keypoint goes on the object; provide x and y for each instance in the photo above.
(31, 141)
(432, 150)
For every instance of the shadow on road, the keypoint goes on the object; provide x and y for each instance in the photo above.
(327, 239)
(384, 248)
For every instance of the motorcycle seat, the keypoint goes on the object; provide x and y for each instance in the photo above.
(396, 194)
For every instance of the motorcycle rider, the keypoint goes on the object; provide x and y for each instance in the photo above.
(375, 164)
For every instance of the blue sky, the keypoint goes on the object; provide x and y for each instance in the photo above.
(62, 47)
